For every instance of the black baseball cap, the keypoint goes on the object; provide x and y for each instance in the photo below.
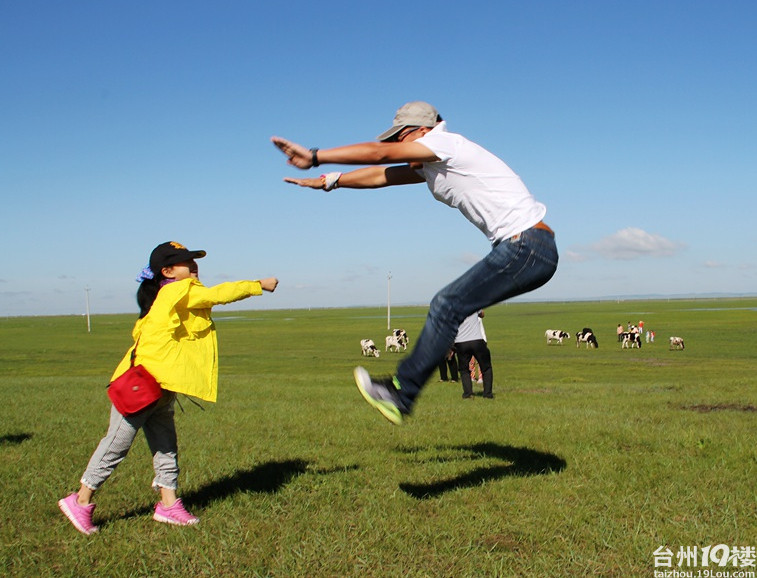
(171, 253)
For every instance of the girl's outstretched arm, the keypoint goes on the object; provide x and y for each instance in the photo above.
(199, 297)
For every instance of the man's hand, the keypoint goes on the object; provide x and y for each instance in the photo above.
(313, 183)
(297, 155)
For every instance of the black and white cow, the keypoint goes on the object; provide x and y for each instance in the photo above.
(586, 335)
(402, 337)
(394, 343)
(556, 334)
(676, 343)
(369, 348)
(630, 339)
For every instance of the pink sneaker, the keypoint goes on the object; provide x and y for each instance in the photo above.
(176, 514)
(79, 516)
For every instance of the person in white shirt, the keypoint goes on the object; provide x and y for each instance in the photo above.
(464, 176)
(469, 343)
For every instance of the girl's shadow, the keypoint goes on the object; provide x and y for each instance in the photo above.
(266, 478)
(14, 439)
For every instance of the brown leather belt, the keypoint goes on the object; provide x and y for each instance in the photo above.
(544, 227)
(540, 225)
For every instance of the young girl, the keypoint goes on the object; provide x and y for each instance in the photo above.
(175, 341)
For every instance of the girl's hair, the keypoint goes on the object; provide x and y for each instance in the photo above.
(147, 292)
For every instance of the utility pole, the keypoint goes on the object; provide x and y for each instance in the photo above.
(89, 327)
(389, 301)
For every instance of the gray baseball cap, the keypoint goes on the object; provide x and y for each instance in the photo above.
(416, 113)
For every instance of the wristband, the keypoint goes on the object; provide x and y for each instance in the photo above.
(330, 181)
(314, 157)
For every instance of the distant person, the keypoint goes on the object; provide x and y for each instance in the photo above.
(176, 342)
(470, 342)
(449, 362)
(620, 332)
(484, 189)
(474, 367)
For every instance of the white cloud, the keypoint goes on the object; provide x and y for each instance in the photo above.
(574, 256)
(632, 243)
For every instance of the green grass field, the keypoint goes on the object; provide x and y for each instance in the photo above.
(585, 463)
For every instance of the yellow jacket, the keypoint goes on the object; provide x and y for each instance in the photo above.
(176, 341)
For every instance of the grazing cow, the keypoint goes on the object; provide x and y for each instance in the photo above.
(676, 343)
(402, 337)
(630, 339)
(586, 335)
(369, 348)
(394, 342)
(556, 334)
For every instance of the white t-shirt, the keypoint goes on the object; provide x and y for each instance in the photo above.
(471, 329)
(480, 185)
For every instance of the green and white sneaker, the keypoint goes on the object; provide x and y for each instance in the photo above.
(382, 394)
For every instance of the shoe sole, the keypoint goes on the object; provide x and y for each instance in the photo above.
(388, 410)
(71, 518)
(167, 520)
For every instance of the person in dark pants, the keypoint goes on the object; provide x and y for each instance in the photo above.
(471, 342)
(450, 360)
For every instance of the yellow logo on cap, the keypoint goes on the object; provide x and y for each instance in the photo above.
(176, 245)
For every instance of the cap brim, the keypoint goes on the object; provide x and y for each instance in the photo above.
(391, 134)
(181, 258)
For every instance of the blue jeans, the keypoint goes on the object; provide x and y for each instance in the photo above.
(513, 267)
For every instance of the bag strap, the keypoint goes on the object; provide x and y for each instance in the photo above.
(134, 353)
(190, 399)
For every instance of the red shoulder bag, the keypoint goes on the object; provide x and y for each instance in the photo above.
(134, 390)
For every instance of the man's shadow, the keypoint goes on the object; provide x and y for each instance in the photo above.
(520, 462)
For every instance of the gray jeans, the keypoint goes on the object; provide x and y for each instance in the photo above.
(160, 432)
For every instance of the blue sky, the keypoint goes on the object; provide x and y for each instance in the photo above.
(126, 124)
